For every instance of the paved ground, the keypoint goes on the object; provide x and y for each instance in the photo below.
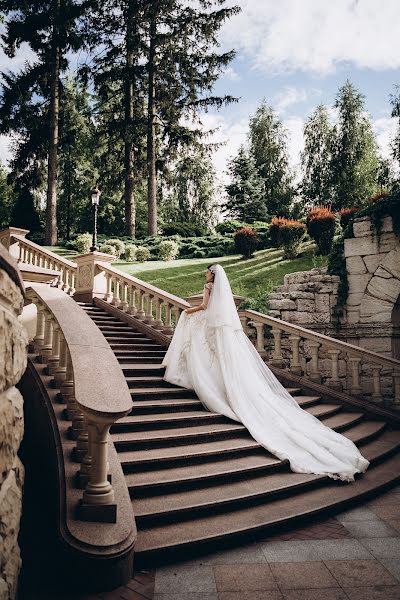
(354, 556)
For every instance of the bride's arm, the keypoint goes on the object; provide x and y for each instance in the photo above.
(203, 305)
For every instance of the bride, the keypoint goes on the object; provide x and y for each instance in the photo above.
(210, 353)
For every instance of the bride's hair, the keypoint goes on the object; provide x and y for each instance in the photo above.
(211, 271)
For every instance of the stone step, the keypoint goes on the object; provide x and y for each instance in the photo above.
(150, 407)
(148, 381)
(177, 539)
(159, 392)
(145, 359)
(189, 453)
(134, 345)
(133, 369)
(169, 420)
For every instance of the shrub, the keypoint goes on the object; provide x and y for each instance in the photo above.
(347, 215)
(168, 250)
(229, 226)
(142, 253)
(83, 242)
(183, 229)
(108, 249)
(200, 253)
(246, 241)
(287, 233)
(118, 245)
(321, 222)
(379, 196)
(130, 252)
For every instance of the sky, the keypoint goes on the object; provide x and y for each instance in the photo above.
(296, 54)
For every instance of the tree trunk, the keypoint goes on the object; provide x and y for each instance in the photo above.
(68, 228)
(51, 206)
(151, 142)
(129, 195)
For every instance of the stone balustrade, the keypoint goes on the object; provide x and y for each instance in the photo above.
(27, 252)
(322, 359)
(91, 385)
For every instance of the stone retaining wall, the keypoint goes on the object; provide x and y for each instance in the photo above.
(13, 356)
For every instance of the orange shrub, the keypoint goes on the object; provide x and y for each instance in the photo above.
(321, 223)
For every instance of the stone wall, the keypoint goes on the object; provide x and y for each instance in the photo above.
(13, 356)
(306, 298)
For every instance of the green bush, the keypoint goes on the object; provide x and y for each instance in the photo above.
(130, 252)
(83, 243)
(199, 253)
(287, 233)
(246, 241)
(118, 245)
(168, 250)
(108, 249)
(142, 253)
(184, 229)
(229, 226)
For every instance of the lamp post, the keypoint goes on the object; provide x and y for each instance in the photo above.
(95, 194)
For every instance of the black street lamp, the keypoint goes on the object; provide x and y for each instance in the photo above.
(95, 194)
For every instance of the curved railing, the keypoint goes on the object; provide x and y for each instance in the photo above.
(92, 386)
(147, 303)
(27, 252)
(323, 359)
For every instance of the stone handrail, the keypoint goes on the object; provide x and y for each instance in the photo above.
(136, 298)
(27, 252)
(303, 355)
(91, 385)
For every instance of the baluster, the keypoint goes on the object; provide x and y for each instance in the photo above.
(109, 294)
(149, 310)
(244, 322)
(61, 370)
(355, 388)
(124, 304)
(177, 312)
(132, 306)
(67, 389)
(314, 374)
(116, 301)
(277, 358)
(295, 364)
(73, 282)
(54, 358)
(334, 381)
(99, 491)
(376, 380)
(168, 328)
(79, 432)
(60, 282)
(38, 340)
(21, 253)
(47, 347)
(140, 314)
(259, 327)
(86, 462)
(158, 322)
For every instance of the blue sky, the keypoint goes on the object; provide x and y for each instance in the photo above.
(296, 54)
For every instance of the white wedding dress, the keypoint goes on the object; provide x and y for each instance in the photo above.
(210, 353)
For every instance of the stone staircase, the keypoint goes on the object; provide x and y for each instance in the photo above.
(198, 480)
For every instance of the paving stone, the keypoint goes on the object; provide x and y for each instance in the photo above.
(314, 550)
(253, 595)
(357, 514)
(369, 529)
(382, 547)
(178, 579)
(326, 529)
(246, 554)
(392, 565)
(388, 511)
(391, 497)
(360, 573)
(374, 593)
(246, 578)
(303, 575)
(186, 596)
(319, 594)
(395, 523)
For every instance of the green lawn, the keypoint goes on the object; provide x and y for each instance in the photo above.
(184, 277)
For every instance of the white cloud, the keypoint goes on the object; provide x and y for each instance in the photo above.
(23, 54)
(231, 74)
(292, 95)
(316, 35)
(5, 154)
(384, 129)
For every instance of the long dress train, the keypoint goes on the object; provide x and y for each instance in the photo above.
(230, 378)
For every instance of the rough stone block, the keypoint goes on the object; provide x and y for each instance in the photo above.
(381, 272)
(353, 316)
(361, 228)
(322, 303)
(355, 265)
(284, 304)
(305, 305)
(373, 310)
(387, 242)
(304, 318)
(358, 283)
(373, 261)
(361, 246)
(301, 295)
(11, 428)
(384, 289)
(13, 342)
(391, 262)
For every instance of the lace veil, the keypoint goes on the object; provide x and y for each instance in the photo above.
(221, 309)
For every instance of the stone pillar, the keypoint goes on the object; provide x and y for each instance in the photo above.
(13, 357)
(90, 280)
(11, 244)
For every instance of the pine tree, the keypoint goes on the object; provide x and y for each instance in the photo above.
(7, 199)
(355, 164)
(51, 28)
(316, 158)
(395, 146)
(246, 190)
(268, 147)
